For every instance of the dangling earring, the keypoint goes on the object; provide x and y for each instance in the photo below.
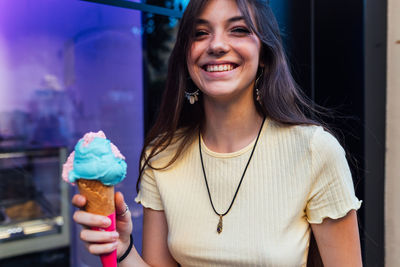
(258, 93)
(192, 96)
(258, 96)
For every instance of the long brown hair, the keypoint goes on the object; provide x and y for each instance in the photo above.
(282, 101)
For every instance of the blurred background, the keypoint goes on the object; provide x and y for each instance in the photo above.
(68, 67)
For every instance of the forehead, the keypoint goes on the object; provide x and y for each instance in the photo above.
(219, 10)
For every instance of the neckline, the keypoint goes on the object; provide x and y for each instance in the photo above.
(237, 153)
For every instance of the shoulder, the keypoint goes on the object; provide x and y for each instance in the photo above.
(297, 133)
(313, 138)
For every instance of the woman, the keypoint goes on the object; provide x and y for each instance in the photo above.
(235, 174)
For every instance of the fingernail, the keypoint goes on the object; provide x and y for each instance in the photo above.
(106, 221)
(114, 245)
(115, 235)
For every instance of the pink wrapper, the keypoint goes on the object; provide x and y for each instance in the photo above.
(110, 259)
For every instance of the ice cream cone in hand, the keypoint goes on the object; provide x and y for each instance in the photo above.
(99, 197)
(96, 166)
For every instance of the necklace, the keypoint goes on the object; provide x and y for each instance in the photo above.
(220, 225)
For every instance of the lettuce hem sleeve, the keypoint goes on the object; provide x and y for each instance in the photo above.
(317, 217)
(148, 203)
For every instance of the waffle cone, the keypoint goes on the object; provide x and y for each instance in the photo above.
(100, 198)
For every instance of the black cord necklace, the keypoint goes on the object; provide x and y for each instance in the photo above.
(219, 226)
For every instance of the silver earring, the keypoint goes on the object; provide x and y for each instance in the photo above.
(258, 96)
(192, 96)
(258, 93)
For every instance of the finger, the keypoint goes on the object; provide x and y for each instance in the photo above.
(121, 207)
(94, 236)
(119, 203)
(90, 219)
(98, 249)
(78, 201)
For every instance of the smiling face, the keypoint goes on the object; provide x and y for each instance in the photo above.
(224, 56)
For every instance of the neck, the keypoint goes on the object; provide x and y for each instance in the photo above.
(229, 128)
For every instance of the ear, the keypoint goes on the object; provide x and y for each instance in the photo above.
(261, 63)
(261, 59)
(261, 68)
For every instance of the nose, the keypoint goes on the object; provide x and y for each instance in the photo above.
(218, 45)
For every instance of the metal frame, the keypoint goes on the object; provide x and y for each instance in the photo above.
(138, 6)
(375, 43)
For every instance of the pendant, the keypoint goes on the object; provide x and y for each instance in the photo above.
(219, 227)
(193, 98)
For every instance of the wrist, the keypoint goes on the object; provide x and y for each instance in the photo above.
(127, 250)
(124, 241)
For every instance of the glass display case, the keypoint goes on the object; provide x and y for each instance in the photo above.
(34, 211)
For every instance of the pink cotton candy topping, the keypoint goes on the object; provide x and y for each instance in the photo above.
(87, 139)
(116, 152)
(68, 166)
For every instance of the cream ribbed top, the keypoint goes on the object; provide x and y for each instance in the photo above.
(298, 175)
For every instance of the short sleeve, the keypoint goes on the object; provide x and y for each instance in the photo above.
(148, 195)
(332, 192)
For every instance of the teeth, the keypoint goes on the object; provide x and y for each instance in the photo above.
(222, 67)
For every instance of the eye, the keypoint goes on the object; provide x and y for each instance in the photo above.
(241, 30)
(200, 33)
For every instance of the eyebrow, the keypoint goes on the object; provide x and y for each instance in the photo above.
(230, 20)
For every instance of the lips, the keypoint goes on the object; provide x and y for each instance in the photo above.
(219, 67)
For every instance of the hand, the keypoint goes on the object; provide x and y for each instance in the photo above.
(99, 242)
(123, 223)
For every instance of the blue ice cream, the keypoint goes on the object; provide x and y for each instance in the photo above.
(97, 159)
